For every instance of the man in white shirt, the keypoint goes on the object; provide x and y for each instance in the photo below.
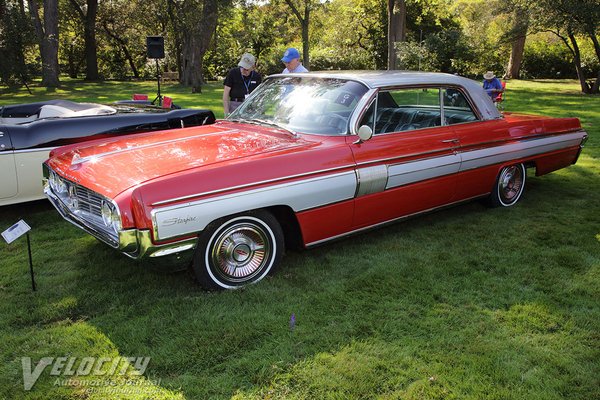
(291, 59)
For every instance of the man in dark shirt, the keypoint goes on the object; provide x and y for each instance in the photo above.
(239, 83)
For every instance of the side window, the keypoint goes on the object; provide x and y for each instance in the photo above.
(408, 109)
(457, 109)
(368, 117)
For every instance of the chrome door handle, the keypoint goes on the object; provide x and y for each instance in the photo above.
(455, 141)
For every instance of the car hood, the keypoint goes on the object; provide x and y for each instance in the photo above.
(112, 166)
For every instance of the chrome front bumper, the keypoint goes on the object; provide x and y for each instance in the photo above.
(134, 243)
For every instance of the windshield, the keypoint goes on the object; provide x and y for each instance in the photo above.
(303, 104)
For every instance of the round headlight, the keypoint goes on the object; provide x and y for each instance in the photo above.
(72, 201)
(110, 217)
(52, 180)
(57, 183)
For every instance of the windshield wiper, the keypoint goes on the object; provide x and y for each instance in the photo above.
(270, 123)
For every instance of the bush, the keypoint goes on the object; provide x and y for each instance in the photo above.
(334, 59)
(547, 60)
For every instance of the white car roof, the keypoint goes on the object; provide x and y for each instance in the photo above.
(385, 79)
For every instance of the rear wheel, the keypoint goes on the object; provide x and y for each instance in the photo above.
(509, 186)
(236, 251)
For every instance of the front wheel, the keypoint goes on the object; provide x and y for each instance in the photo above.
(509, 186)
(236, 251)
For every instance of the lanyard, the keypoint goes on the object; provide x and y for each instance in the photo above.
(248, 82)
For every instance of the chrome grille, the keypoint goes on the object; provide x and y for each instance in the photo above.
(87, 200)
(83, 207)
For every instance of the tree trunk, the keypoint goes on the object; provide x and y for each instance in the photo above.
(196, 40)
(192, 62)
(577, 59)
(88, 20)
(177, 30)
(71, 66)
(513, 70)
(91, 52)
(305, 42)
(396, 29)
(305, 25)
(596, 86)
(520, 25)
(47, 35)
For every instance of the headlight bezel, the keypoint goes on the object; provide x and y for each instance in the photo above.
(92, 208)
(58, 184)
(110, 215)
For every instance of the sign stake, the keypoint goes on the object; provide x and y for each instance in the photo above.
(13, 233)
(30, 263)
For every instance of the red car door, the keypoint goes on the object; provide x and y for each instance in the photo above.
(402, 173)
(481, 143)
(410, 163)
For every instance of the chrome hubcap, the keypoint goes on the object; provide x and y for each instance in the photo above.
(241, 251)
(511, 184)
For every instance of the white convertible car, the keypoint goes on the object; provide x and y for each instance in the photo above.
(29, 131)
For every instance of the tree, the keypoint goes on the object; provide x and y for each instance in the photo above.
(569, 19)
(396, 29)
(195, 22)
(125, 25)
(302, 10)
(47, 34)
(259, 28)
(87, 14)
(517, 36)
(359, 40)
(121, 43)
(16, 35)
(71, 44)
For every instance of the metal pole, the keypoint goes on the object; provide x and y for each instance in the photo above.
(159, 97)
(30, 263)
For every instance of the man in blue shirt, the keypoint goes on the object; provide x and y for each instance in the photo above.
(291, 59)
(492, 85)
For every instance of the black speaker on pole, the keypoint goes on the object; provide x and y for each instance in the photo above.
(155, 46)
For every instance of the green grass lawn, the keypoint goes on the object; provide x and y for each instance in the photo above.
(466, 303)
(107, 92)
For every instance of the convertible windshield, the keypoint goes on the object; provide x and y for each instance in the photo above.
(303, 104)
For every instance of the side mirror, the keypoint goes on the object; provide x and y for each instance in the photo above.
(364, 133)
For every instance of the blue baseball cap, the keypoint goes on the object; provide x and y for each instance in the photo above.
(290, 54)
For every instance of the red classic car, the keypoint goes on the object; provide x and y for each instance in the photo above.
(306, 159)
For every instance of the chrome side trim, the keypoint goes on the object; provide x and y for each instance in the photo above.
(35, 150)
(391, 221)
(526, 148)
(147, 249)
(398, 159)
(182, 219)
(410, 172)
(247, 185)
(461, 149)
(172, 250)
(371, 179)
